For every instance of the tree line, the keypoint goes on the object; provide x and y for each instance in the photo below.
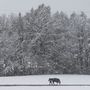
(40, 42)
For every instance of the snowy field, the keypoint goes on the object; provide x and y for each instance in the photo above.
(43, 80)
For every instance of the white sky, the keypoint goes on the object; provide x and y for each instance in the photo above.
(68, 6)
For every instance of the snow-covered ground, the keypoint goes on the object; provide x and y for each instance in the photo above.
(43, 79)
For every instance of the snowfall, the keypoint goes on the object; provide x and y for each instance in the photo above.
(43, 80)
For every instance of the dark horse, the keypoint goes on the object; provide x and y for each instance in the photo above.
(54, 80)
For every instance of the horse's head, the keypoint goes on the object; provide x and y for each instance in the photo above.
(49, 79)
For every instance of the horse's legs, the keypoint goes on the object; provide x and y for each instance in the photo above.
(53, 82)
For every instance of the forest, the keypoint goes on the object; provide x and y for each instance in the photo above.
(42, 42)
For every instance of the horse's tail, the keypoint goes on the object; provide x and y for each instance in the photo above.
(59, 81)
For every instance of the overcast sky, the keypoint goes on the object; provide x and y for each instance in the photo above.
(68, 6)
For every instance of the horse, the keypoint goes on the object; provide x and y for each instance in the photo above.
(54, 80)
